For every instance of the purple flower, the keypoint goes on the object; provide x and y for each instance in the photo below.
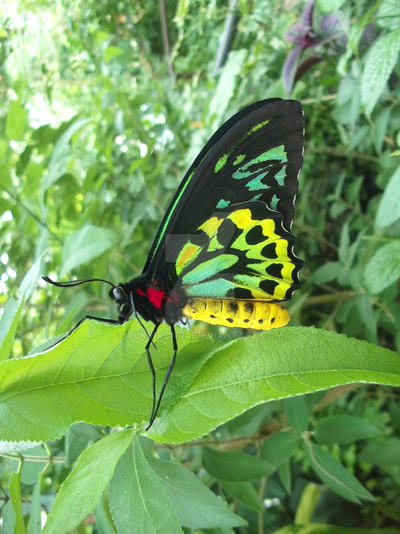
(305, 35)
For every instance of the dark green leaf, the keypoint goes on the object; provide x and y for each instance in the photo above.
(297, 413)
(382, 452)
(334, 475)
(343, 429)
(184, 488)
(279, 447)
(235, 466)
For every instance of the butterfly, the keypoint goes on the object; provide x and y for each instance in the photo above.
(223, 252)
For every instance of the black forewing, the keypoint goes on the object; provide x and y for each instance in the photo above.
(209, 182)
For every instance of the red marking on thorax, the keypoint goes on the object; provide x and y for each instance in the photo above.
(140, 292)
(155, 296)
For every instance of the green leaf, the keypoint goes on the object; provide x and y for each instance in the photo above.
(16, 121)
(279, 447)
(307, 504)
(14, 306)
(35, 523)
(91, 474)
(85, 245)
(297, 413)
(334, 475)
(389, 205)
(79, 436)
(245, 493)
(112, 52)
(104, 523)
(285, 476)
(29, 281)
(381, 60)
(8, 326)
(62, 153)
(316, 528)
(383, 268)
(15, 497)
(344, 429)
(384, 452)
(388, 15)
(100, 375)
(327, 6)
(325, 273)
(138, 501)
(226, 85)
(184, 488)
(234, 466)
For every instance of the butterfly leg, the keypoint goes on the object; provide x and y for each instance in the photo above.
(167, 376)
(100, 319)
(153, 372)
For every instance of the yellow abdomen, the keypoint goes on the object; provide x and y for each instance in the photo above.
(257, 314)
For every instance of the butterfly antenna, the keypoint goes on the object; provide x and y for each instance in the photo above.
(72, 283)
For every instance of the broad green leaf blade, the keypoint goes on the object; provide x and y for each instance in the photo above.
(99, 375)
(383, 268)
(235, 466)
(139, 502)
(61, 154)
(16, 121)
(184, 488)
(297, 412)
(279, 447)
(272, 365)
(15, 498)
(82, 489)
(344, 429)
(334, 475)
(85, 245)
(381, 60)
(389, 205)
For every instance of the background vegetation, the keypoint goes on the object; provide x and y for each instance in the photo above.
(105, 104)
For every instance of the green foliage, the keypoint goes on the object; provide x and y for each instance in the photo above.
(100, 120)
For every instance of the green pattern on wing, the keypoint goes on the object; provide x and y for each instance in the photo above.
(245, 253)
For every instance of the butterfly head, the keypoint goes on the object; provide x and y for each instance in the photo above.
(124, 301)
